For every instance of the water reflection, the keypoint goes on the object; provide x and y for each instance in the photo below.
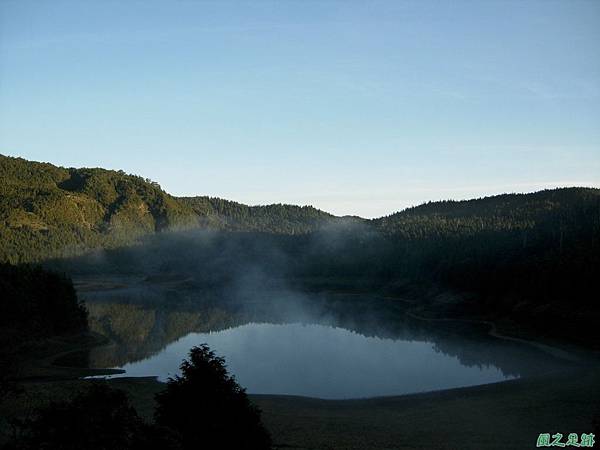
(322, 361)
(328, 346)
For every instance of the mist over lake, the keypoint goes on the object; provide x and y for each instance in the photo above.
(321, 361)
(282, 341)
(318, 225)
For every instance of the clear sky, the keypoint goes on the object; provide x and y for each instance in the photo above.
(354, 107)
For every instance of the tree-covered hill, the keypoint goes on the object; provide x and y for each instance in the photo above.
(277, 218)
(564, 208)
(48, 211)
(532, 257)
(529, 256)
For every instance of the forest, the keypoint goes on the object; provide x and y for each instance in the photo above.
(48, 211)
(530, 260)
(533, 258)
(36, 304)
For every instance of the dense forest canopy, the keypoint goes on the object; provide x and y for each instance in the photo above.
(35, 305)
(278, 218)
(35, 302)
(507, 212)
(52, 211)
(48, 211)
(524, 256)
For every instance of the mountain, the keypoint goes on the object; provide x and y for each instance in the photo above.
(48, 211)
(531, 258)
(278, 218)
(565, 208)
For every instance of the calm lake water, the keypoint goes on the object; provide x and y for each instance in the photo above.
(322, 361)
(335, 346)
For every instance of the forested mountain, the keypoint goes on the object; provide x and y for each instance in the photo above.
(48, 211)
(564, 208)
(539, 253)
(529, 256)
(278, 218)
(533, 257)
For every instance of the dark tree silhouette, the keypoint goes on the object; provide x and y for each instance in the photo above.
(209, 408)
(99, 418)
(37, 303)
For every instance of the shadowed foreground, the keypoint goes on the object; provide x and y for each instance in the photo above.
(507, 415)
(497, 416)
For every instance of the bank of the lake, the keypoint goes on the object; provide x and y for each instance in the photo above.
(506, 415)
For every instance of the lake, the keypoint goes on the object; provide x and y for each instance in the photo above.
(321, 361)
(342, 348)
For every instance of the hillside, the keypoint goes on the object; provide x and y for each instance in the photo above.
(48, 211)
(534, 258)
(521, 256)
(566, 207)
(278, 218)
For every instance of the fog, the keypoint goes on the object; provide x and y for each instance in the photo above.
(156, 299)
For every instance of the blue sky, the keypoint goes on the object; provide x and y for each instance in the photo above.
(354, 107)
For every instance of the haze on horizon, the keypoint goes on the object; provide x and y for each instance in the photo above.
(359, 108)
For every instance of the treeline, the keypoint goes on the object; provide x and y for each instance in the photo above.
(222, 214)
(521, 255)
(48, 211)
(536, 249)
(36, 303)
(555, 210)
(533, 258)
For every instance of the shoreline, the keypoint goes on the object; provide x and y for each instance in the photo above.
(470, 417)
(564, 350)
(557, 352)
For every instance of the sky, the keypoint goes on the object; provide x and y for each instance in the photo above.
(360, 108)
